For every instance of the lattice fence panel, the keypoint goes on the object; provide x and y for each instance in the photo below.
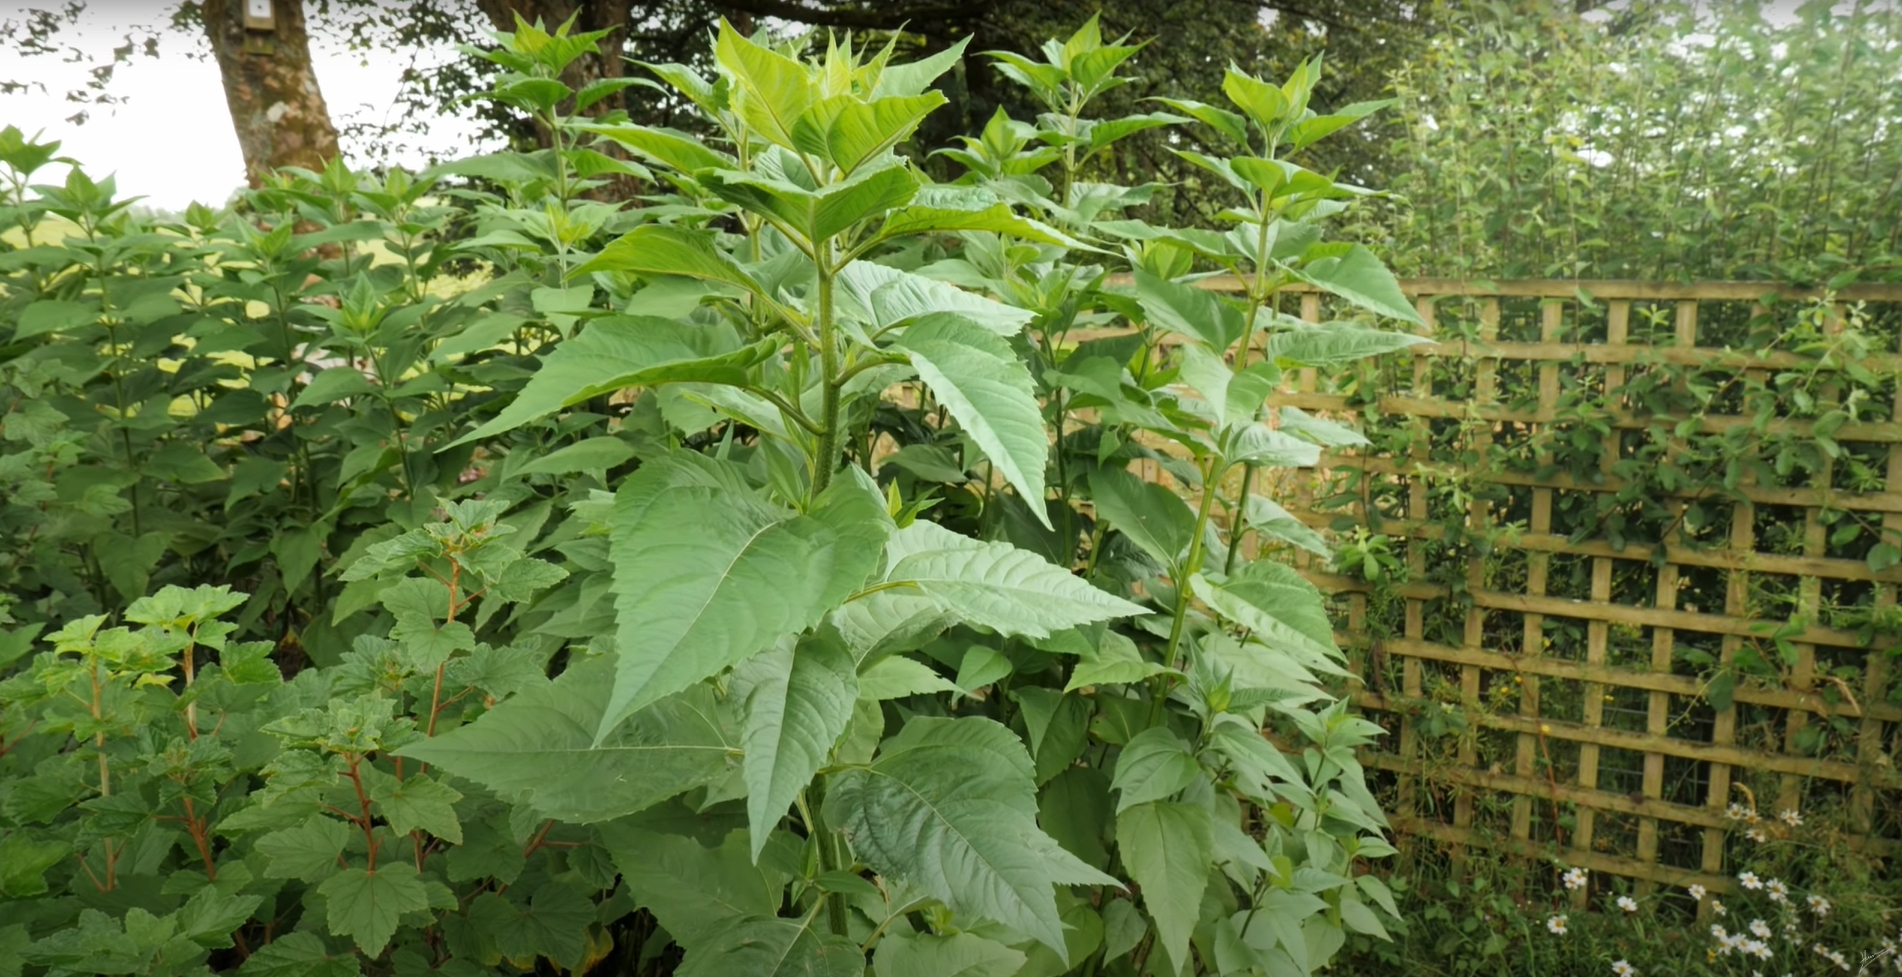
(1544, 666)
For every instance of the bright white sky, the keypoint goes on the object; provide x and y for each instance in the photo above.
(171, 139)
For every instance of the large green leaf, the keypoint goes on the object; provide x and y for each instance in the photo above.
(769, 946)
(541, 744)
(798, 702)
(849, 130)
(1193, 312)
(770, 90)
(1166, 848)
(994, 584)
(950, 807)
(1280, 606)
(816, 215)
(1270, 519)
(627, 351)
(934, 215)
(980, 380)
(916, 76)
(1154, 765)
(366, 905)
(1255, 444)
(674, 148)
(1229, 396)
(885, 297)
(1154, 518)
(696, 892)
(912, 954)
(656, 249)
(1359, 277)
(1331, 344)
(707, 577)
(553, 924)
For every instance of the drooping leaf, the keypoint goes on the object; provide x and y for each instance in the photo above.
(657, 249)
(769, 946)
(886, 297)
(949, 806)
(896, 677)
(594, 454)
(815, 215)
(1190, 311)
(1359, 277)
(977, 377)
(627, 351)
(706, 577)
(1167, 848)
(542, 743)
(1335, 343)
(912, 954)
(1154, 765)
(996, 585)
(997, 218)
(798, 703)
(696, 892)
(1151, 516)
(1270, 519)
(1274, 601)
(671, 147)
(1320, 430)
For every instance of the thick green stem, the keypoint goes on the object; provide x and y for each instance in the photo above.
(830, 847)
(1192, 564)
(833, 379)
(1257, 297)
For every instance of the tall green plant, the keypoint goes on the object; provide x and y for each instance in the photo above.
(867, 646)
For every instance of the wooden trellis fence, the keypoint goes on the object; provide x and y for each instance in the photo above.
(1540, 677)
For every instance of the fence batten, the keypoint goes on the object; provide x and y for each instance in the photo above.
(1547, 682)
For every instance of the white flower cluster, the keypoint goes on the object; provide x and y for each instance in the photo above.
(1574, 878)
(1833, 956)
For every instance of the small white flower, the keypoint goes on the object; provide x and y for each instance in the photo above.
(1790, 818)
(1819, 906)
(1627, 904)
(1761, 950)
(1752, 817)
(1756, 835)
(1623, 969)
(1760, 928)
(1556, 924)
(1718, 933)
(1749, 880)
(1779, 893)
(1697, 892)
(1574, 878)
(1718, 908)
(1735, 811)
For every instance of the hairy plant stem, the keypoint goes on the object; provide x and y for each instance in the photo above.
(831, 376)
(827, 845)
(1257, 297)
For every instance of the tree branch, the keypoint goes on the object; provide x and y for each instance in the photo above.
(887, 17)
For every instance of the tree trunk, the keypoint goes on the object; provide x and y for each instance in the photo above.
(270, 87)
(590, 15)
